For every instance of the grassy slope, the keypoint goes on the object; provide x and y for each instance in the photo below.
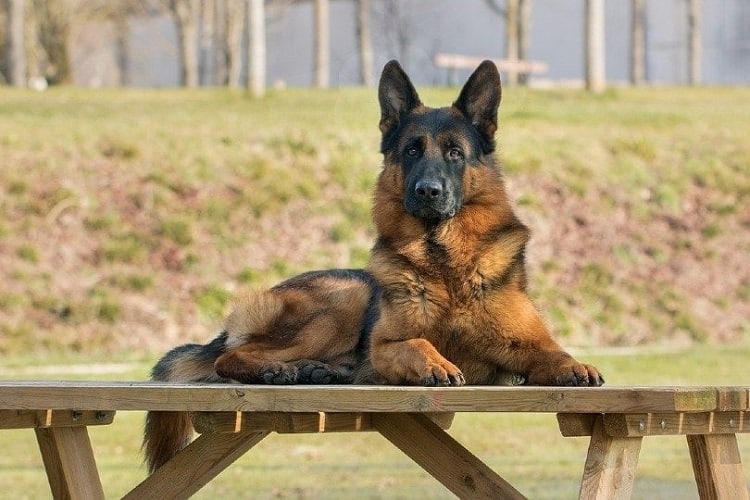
(129, 218)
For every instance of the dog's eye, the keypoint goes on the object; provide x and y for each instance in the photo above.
(412, 151)
(455, 154)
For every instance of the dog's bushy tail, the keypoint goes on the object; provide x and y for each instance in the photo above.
(167, 432)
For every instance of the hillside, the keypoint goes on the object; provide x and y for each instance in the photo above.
(128, 219)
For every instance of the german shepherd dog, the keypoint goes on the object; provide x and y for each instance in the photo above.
(442, 302)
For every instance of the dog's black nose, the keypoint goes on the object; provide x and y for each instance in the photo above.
(428, 189)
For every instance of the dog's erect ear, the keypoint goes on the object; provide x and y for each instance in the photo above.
(397, 96)
(479, 100)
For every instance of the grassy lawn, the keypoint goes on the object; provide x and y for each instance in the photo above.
(525, 449)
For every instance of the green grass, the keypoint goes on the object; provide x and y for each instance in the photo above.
(526, 449)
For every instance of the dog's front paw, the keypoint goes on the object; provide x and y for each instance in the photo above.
(569, 373)
(441, 375)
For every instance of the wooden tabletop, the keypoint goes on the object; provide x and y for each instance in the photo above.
(86, 395)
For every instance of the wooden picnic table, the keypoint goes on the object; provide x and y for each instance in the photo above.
(231, 419)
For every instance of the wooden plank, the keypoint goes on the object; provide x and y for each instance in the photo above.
(717, 467)
(664, 424)
(193, 467)
(576, 424)
(471, 62)
(26, 419)
(293, 423)
(610, 465)
(35, 395)
(69, 462)
(443, 457)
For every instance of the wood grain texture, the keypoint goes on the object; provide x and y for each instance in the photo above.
(443, 457)
(665, 424)
(193, 467)
(610, 465)
(717, 467)
(69, 462)
(26, 419)
(34, 395)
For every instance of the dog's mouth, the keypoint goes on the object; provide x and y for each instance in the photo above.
(431, 213)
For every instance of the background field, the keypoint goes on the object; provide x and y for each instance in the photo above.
(129, 218)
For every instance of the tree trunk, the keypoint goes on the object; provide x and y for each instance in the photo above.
(220, 43)
(511, 40)
(122, 51)
(524, 35)
(235, 27)
(638, 42)
(256, 80)
(206, 43)
(322, 44)
(187, 17)
(16, 47)
(695, 54)
(595, 70)
(365, 43)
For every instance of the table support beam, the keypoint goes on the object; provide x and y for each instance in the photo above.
(442, 456)
(196, 465)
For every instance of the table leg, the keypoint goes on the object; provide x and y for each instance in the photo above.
(193, 467)
(442, 456)
(717, 466)
(69, 462)
(610, 465)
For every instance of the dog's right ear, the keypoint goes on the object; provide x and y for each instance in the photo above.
(397, 96)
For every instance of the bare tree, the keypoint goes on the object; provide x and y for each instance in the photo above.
(322, 43)
(256, 80)
(595, 71)
(220, 42)
(122, 51)
(206, 38)
(235, 26)
(637, 42)
(53, 19)
(186, 14)
(511, 39)
(16, 48)
(517, 17)
(695, 54)
(365, 43)
(524, 36)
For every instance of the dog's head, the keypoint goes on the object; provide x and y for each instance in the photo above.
(434, 146)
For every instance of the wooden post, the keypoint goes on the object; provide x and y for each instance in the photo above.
(257, 65)
(595, 69)
(695, 55)
(69, 462)
(610, 465)
(638, 42)
(322, 44)
(717, 466)
(16, 49)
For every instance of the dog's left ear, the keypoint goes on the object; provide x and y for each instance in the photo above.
(479, 100)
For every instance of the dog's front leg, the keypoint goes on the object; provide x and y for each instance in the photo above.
(411, 361)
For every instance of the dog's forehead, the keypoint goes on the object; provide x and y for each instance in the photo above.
(442, 124)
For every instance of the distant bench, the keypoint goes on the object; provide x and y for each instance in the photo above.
(453, 62)
(233, 418)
